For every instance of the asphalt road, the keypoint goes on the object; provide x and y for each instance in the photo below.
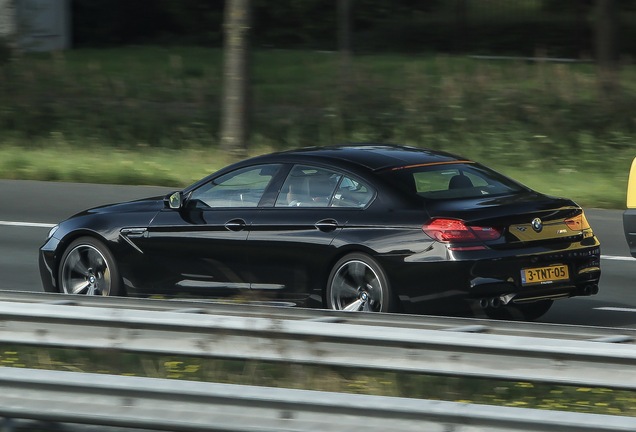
(28, 209)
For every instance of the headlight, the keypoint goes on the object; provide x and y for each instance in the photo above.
(52, 232)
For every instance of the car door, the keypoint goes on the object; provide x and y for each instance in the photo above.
(201, 246)
(290, 243)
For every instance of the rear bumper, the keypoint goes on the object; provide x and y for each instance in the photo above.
(459, 284)
(496, 277)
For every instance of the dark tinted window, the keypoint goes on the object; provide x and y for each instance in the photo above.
(449, 181)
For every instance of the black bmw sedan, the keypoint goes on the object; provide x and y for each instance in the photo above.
(358, 228)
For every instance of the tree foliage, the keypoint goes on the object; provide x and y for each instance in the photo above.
(517, 27)
(116, 22)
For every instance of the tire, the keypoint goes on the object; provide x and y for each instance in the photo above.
(88, 267)
(358, 283)
(521, 312)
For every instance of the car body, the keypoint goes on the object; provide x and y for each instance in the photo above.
(629, 216)
(354, 227)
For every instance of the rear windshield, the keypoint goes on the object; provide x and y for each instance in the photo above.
(448, 181)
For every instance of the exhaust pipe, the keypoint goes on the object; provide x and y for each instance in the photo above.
(496, 302)
(590, 290)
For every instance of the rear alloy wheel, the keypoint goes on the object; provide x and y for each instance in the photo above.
(88, 267)
(358, 283)
(521, 312)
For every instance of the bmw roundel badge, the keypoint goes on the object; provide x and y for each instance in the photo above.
(537, 225)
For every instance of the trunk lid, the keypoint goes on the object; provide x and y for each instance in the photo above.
(521, 219)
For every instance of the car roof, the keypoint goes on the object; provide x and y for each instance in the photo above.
(371, 156)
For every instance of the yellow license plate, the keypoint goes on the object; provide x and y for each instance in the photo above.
(544, 275)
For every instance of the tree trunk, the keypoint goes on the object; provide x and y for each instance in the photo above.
(607, 22)
(8, 29)
(235, 112)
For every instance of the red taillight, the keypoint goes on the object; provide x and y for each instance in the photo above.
(449, 231)
(578, 223)
(456, 231)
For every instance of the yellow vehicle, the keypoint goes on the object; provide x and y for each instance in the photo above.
(629, 217)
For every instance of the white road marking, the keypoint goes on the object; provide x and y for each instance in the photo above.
(617, 258)
(27, 224)
(616, 309)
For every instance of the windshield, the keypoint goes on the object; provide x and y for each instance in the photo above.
(449, 181)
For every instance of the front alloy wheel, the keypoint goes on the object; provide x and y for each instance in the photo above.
(358, 283)
(87, 267)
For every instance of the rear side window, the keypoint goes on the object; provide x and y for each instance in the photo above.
(450, 181)
(308, 186)
(352, 193)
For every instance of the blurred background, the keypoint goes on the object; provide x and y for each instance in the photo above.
(165, 91)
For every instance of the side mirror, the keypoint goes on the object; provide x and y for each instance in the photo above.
(174, 200)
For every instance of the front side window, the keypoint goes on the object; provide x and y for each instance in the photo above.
(308, 186)
(241, 188)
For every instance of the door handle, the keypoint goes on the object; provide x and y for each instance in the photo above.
(134, 232)
(327, 225)
(235, 225)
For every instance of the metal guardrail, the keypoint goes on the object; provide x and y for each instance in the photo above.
(440, 345)
(267, 310)
(170, 405)
(316, 340)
